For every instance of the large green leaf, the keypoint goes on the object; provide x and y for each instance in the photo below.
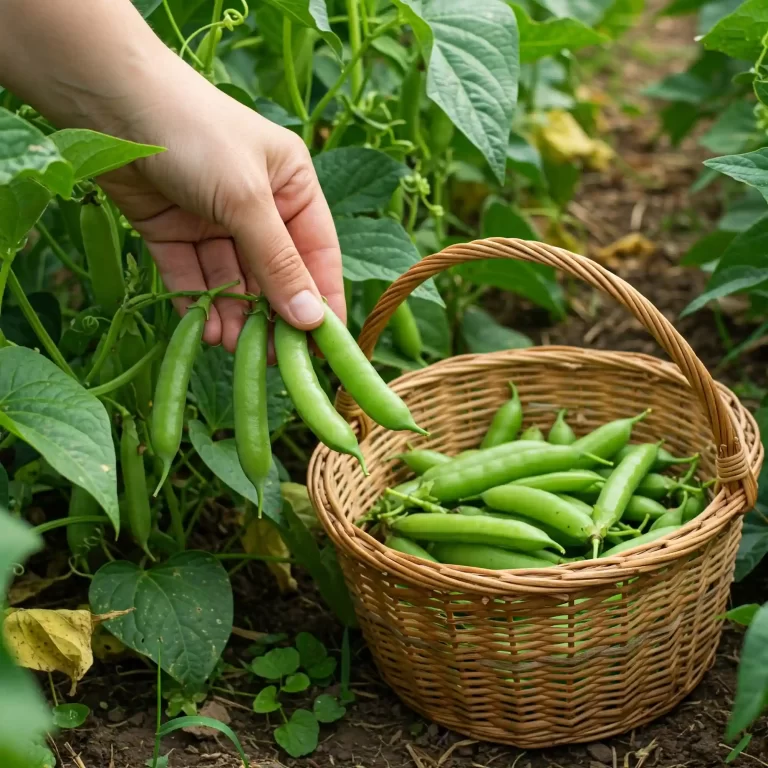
(379, 249)
(70, 428)
(357, 179)
(753, 546)
(24, 716)
(91, 154)
(183, 611)
(483, 334)
(26, 152)
(740, 33)
(752, 679)
(221, 458)
(744, 212)
(524, 157)
(587, 11)
(502, 219)
(750, 168)
(732, 131)
(548, 38)
(744, 265)
(5, 498)
(22, 203)
(473, 67)
(710, 248)
(312, 14)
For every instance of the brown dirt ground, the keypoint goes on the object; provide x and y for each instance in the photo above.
(646, 193)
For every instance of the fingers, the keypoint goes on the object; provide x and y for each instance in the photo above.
(220, 266)
(180, 269)
(263, 241)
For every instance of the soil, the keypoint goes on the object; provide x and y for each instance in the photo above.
(647, 193)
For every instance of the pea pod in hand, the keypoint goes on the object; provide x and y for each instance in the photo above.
(254, 448)
(311, 402)
(359, 377)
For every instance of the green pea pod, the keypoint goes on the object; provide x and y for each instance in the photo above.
(441, 129)
(665, 459)
(606, 441)
(132, 348)
(587, 509)
(83, 537)
(672, 517)
(694, 506)
(138, 510)
(507, 534)
(211, 39)
(102, 251)
(485, 556)
(359, 377)
(477, 456)
(410, 104)
(172, 383)
(561, 433)
(619, 488)
(564, 482)
(639, 541)
(541, 507)
(533, 433)
(396, 207)
(254, 448)
(642, 507)
(70, 214)
(419, 461)
(311, 402)
(556, 534)
(408, 547)
(405, 332)
(505, 423)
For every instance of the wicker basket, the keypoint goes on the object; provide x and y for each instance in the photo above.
(550, 656)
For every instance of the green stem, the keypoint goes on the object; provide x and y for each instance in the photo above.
(61, 254)
(355, 43)
(3, 340)
(6, 262)
(53, 690)
(290, 71)
(338, 131)
(300, 454)
(126, 377)
(177, 524)
(438, 185)
(218, 7)
(156, 752)
(109, 342)
(179, 35)
(31, 317)
(63, 522)
(195, 516)
(412, 214)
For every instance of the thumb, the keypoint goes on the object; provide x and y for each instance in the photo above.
(270, 255)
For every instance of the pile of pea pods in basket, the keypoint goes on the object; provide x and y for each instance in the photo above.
(535, 500)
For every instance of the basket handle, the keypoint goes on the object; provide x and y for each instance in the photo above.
(733, 469)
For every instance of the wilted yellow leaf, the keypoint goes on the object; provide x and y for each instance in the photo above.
(297, 496)
(601, 157)
(28, 586)
(564, 140)
(53, 641)
(261, 538)
(633, 246)
(557, 235)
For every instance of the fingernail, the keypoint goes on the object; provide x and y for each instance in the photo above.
(306, 308)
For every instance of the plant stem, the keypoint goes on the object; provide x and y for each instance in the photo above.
(355, 43)
(63, 522)
(156, 753)
(6, 262)
(438, 186)
(295, 449)
(290, 71)
(31, 317)
(105, 349)
(61, 254)
(413, 213)
(177, 32)
(128, 376)
(218, 7)
(177, 524)
(53, 690)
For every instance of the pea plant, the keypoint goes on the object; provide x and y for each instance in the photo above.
(727, 85)
(430, 122)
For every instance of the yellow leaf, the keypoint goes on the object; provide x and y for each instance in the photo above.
(30, 585)
(297, 496)
(560, 237)
(53, 641)
(261, 538)
(634, 246)
(565, 141)
(601, 157)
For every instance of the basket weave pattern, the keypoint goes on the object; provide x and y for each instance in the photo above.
(567, 654)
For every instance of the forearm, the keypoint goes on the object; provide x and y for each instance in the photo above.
(81, 63)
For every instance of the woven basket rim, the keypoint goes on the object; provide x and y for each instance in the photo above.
(656, 555)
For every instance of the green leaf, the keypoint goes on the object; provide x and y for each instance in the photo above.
(739, 34)
(760, 87)
(752, 678)
(744, 213)
(678, 120)
(379, 249)
(473, 68)
(298, 737)
(205, 722)
(91, 153)
(548, 38)
(327, 709)
(587, 11)
(27, 153)
(322, 670)
(357, 179)
(296, 683)
(43, 406)
(146, 7)
(733, 130)
(276, 664)
(750, 168)
(22, 203)
(4, 494)
(16, 328)
(741, 267)
(483, 334)
(742, 614)
(266, 701)
(70, 715)
(162, 761)
(710, 248)
(311, 650)
(685, 87)
(434, 326)
(221, 458)
(682, 7)
(272, 111)
(524, 157)
(183, 611)
(753, 546)
(739, 748)
(312, 14)
(501, 219)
